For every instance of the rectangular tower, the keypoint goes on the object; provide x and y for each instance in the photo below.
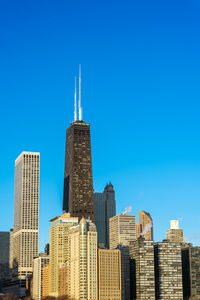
(38, 264)
(4, 254)
(175, 234)
(145, 226)
(78, 183)
(26, 212)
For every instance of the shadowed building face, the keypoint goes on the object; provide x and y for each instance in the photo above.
(78, 182)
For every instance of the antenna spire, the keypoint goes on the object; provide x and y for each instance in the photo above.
(80, 108)
(75, 113)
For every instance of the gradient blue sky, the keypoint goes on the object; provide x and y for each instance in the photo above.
(140, 92)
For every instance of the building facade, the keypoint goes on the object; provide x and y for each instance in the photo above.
(59, 248)
(109, 274)
(104, 209)
(175, 234)
(78, 182)
(46, 276)
(83, 261)
(168, 271)
(142, 269)
(145, 226)
(38, 264)
(4, 254)
(191, 271)
(26, 212)
(122, 231)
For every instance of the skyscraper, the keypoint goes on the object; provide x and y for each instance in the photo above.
(78, 183)
(4, 254)
(109, 274)
(83, 261)
(168, 271)
(26, 212)
(175, 234)
(145, 226)
(122, 231)
(104, 209)
(38, 264)
(59, 248)
(142, 269)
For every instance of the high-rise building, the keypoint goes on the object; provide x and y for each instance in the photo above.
(26, 212)
(83, 261)
(4, 254)
(142, 269)
(175, 234)
(109, 274)
(122, 231)
(191, 271)
(11, 250)
(104, 209)
(59, 248)
(63, 279)
(168, 271)
(145, 226)
(78, 182)
(38, 264)
(45, 282)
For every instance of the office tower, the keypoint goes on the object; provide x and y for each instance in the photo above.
(122, 231)
(26, 212)
(145, 226)
(46, 249)
(109, 274)
(59, 248)
(168, 271)
(78, 183)
(11, 249)
(191, 271)
(83, 261)
(4, 254)
(38, 264)
(175, 234)
(63, 279)
(104, 209)
(142, 269)
(45, 285)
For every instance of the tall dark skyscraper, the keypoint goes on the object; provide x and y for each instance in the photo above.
(78, 183)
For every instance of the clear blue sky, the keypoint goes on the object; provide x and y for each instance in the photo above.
(140, 92)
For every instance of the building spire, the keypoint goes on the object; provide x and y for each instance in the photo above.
(80, 108)
(75, 113)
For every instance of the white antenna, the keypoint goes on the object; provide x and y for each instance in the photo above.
(80, 108)
(75, 113)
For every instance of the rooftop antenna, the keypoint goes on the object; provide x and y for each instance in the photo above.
(80, 108)
(75, 113)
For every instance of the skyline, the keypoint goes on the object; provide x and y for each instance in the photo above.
(141, 97)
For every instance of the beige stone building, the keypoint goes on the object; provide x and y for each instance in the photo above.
(38, 264)
(145, 226)
(175, 234)
(83, 261)
(123, 230)
(59, 248)
(26, 213)
(109, 274)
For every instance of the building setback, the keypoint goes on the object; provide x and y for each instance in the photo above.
(168, 271)
(83, 261)
(26, 213)
(59, 248)
(191, 271)
(122, 231)
(109, 274)
(38, 264)
(142, 269)
(175, 234)
(104, 209)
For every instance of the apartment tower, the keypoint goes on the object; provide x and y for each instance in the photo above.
(83, 261)
(78, 183)
(109, 274)
(175, 234)
(104, 209)
(142, 269)
(59, 248)
(122, 231)
(38, 269)
(26, 212)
